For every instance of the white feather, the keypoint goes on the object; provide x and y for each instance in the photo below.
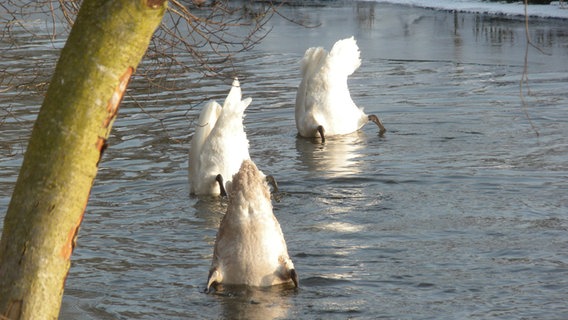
(219, 144)
(323, 97)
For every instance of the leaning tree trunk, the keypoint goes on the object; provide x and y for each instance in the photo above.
(104, 47)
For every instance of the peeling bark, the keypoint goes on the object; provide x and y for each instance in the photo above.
(45, 213)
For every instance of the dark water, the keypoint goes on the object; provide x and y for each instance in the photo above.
(459, 211)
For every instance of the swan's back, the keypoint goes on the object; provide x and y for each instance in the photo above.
(228, 145)
(323, 96)
(224, 148)
(249, 192)
(250, 248)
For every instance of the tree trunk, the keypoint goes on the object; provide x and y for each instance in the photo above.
(104, 47)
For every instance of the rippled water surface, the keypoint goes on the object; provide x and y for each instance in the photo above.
(458, 211)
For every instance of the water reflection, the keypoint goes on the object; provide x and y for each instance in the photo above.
(366, 14)
(458, 39)
(210, 209)
(242, 302)
(338, 156)
(404, 33)
(422, 202)
(492, 31)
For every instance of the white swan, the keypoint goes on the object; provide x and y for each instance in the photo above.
(219, 144)
(250, 248)
(323, 104)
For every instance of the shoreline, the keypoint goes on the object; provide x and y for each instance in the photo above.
(497, 9)
(513, 10)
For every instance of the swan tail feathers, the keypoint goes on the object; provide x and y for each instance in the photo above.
(234, 103)
(312, 60)
(235, 94)
(345, 56)
(244, 104)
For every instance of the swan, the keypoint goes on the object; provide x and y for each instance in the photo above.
(250, 248)
(219, 144)
(323, 104)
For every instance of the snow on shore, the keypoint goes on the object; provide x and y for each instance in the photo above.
(553, 10)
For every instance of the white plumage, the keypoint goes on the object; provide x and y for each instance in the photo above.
(250, 248)
(323, 104)
(219, 144)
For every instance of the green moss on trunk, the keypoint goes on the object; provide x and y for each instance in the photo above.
(105, 45)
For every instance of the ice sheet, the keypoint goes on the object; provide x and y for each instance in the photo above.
(554, 10)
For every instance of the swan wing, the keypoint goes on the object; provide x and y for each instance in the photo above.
(205, 124)
(311, 66)
(309, 94)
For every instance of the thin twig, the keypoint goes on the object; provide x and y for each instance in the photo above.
(525, 75)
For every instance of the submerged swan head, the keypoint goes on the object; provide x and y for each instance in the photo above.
(250, 248)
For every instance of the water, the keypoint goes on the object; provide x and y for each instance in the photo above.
(459, 211)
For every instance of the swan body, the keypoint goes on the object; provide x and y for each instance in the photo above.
(219, 144)
(250, 248)
(323, 102)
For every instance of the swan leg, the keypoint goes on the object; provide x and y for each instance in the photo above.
(378, 122)
(271, 181)
(321, 131)
(219, 179)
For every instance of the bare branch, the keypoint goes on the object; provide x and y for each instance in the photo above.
(525, 76)
(196, 40)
